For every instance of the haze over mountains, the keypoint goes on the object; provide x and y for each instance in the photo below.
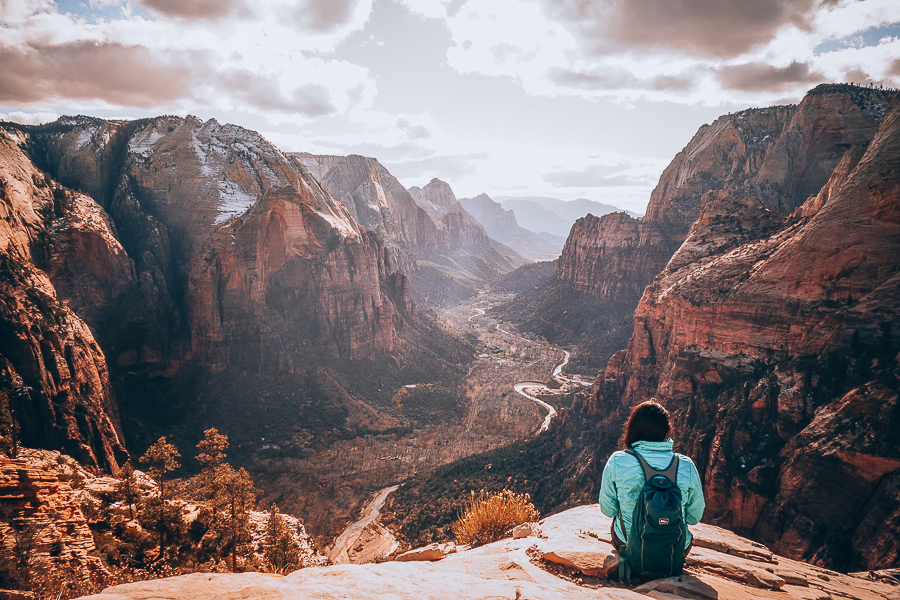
(768, 326)
(170, 274)
(543, 214)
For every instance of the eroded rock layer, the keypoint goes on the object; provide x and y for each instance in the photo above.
(774, 343)
(53, 374)
(191, 249)
(445, 253)
(781, 156)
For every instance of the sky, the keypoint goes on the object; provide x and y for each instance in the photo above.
(560, 98)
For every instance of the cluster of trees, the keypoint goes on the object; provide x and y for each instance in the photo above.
(141, 531)
(226, 496)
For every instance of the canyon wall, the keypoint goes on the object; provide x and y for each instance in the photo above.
(780, 155)
(445, 255)
(774, 343)
(53, 374)
(190, 248)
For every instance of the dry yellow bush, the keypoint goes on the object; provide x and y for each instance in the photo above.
(487, 517)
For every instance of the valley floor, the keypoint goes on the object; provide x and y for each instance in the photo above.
(507, 401)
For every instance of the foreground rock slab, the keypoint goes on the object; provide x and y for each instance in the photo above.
(722, 566)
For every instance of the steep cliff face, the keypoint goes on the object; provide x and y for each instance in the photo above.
(436, 198)
(502, 226)
(462, 235)
(774, 344)
(205, 251)
(51, 368)
(780, 156)
(222, 226)
(377, 201)
(445, 257)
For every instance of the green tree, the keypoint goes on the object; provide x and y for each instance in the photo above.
(212, 458)
(127, 488)
(159, 514)
(281, 552)
(237, 499)
(229, 495)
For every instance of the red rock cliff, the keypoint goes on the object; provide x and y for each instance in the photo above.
(51, 368)
(780, 155)
(206, 249)
(774, 344)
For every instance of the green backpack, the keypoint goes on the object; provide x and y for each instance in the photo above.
(658, 536)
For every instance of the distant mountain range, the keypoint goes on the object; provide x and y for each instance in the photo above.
(543, 214)
(502, 225)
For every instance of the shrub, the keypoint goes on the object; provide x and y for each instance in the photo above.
(488, 517)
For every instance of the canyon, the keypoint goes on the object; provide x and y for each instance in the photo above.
(769, 334)
(780, 155)
(168, 275)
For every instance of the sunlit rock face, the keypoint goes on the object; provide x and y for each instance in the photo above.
(191, 248)
(377, 201)
(463, 237)
(231, 240)
(52, 370)
(774, 343)
(780, 156)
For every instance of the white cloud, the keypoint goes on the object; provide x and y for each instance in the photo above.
(29, 118)
(280, 50)
(551, 55)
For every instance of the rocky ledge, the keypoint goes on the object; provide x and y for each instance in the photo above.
(566, 561)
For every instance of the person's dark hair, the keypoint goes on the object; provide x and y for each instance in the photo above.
(649, 422)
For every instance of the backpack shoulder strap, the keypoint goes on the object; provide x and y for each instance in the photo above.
(670, 472)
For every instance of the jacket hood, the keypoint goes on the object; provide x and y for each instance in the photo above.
(644, 446)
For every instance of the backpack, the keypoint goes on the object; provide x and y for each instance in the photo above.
(658, 536)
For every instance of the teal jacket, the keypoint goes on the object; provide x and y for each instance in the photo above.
(623, 479)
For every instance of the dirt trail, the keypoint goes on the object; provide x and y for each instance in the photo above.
(340, 552)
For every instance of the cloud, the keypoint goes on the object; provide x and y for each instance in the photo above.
(26, 118)
(194, 9)
(597, 175)
(709, 28)
(761, 77)
(326, 15)
(309, 99)
(616, 78)
(894, 68)
(446, 167)
(414, 131)
(86, 70)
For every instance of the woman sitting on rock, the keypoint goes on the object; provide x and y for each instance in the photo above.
(651, 537)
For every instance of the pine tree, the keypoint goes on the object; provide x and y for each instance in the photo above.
(238, 499)
(212, 452)
(281, 552)
(164, 518)
(127, 488)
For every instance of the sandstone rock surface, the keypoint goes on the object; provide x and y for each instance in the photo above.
(506, 569)
(773, 343)
(781, 156)
(51, 368)
(444, 254)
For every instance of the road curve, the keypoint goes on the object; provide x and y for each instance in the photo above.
(532, 385)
